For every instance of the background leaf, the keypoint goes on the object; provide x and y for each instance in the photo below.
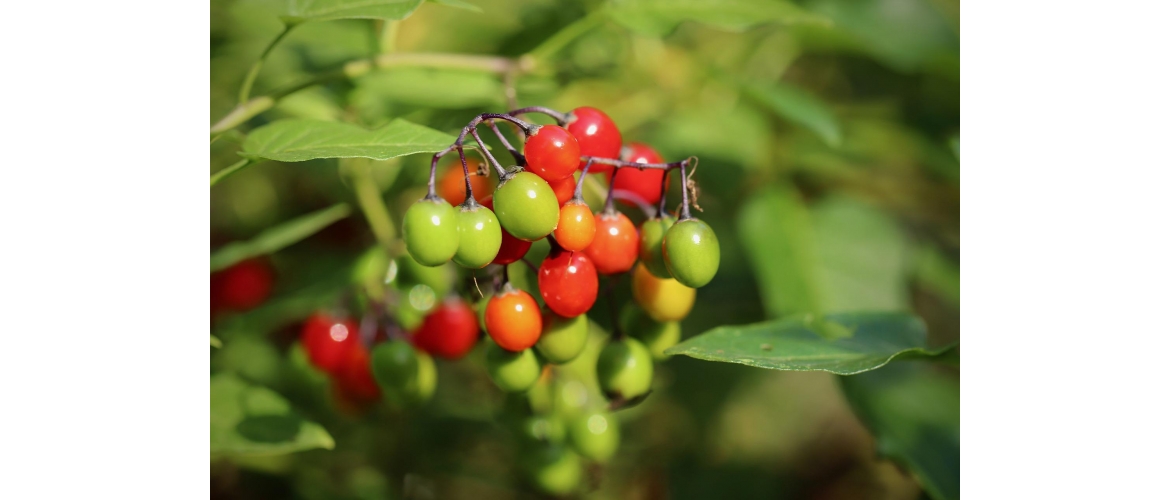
(278, 236)
(248, 420)
(437, 88)
(798, 106)
(914, 414)
(326, 10)
(843, 344)
(215, 342)
(458, 4)
(659, 17)
(301, 140)
(777, 234)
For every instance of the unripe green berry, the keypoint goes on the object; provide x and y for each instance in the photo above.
(650, 245)
(554, 470)
(512, 371)
(479, 237)
(563, 339)
(692, 252)
(526, 206)
(431, 231)
(625, 369)
(595, 436)
(395, 366)
(656, 336)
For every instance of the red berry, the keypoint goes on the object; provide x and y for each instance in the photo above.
(453, 189)
(615, 244)
(568, 282)
(552, 153)
(564, 188)
(242, 286)
(645, 184)
(449, 331)
(512, 248)
(513, 319)
(597, 136)
(355, 379)
(328, 340)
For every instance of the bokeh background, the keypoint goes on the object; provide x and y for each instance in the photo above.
(829, 147)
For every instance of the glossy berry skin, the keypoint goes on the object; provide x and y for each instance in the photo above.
(431, 231)
(526, 206)
(568, 282)
(554, 470)
(625, 369)
(595, 436)
(480, 236)
(596, 135)
(454, 190)
(576, 227)
(328, 341)
(242, 286)
(449, 331)
(512, 248)
(513, 319)
(512, 371)
(564, 189)
(692, 252)
(355, 379)
(563, 339)
(614, 248)
(552, 153)
(656, 336)
(664, 299)
(645, 184)
(650, 245)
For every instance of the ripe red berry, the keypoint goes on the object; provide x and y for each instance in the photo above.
(449, 331)
(645, 184)
(615, 244)
(242, 286)
(355, 379)
(576, 227)
(564, 188)
(328, 340)
(513, 319)
(552, 153)
(512, 248)
(568, 282)
(453, 189)
(596, 135)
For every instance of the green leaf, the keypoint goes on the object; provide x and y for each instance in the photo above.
(301, 140)
(844, 344)
(777, 234)
(249, 420)
(798, 106)
(458, 4)
(913, 413)
(427, 87)
(300, 11)
(215, 342)
(278, 237)
(660, 17)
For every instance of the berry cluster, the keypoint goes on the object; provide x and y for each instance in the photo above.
(475, 226)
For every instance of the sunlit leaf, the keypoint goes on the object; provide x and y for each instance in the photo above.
(249, 420)
(843, 344)
(301, 140)
(436, 88)
(326, 10)
(278, 237)
(659, 17)
(458, 4)
(798, 106)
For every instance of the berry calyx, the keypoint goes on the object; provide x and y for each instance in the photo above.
(449, 331)
(552, 152)
(595, 436)
(596, 135)
(614, 248)
(453, 189)
(328, 341)
(513, 319)
(692, 252)
(656, 336)
(479, 236)
(562, 339)
(650, 244)
(576, 227)
(526, 206)
(431, 231)
(625, 369)
(512, 371)
(645, 184)
(567, 282)
(664, 299)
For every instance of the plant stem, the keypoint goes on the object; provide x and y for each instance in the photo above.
(389, 37)
(235, 167)
(581, 180)
(370, 200)
(562, 38)
(561, 118)
(246, 88)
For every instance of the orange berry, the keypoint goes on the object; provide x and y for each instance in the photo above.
(576, 227)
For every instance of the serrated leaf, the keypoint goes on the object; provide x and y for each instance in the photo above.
(278, 237)
(300, 11)
(844, 344)
(249, 420)
(458, 4)
(798, 106)
(302, 140)
(660, 17)
(913, 413)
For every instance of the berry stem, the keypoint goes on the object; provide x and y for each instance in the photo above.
(515, 154)
(466, 178)
(640, 166)
(662, 197)
(499, 169)
(561, 118)
(685, 212)
(581, 180)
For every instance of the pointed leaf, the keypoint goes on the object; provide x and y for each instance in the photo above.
(843, 344)
(798, 106)
(278, 237)
(249, 420)
(301, 140)
(660, 17)
(300, 11)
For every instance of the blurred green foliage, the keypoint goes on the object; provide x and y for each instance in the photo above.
(828, 133)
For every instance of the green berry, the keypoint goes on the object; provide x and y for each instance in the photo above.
(656, 336)
(554, 470)
(540, 430)
(395, 366)
(512, 371)
(625, 369)
(431, 231)
(410, 273)
(595, 436)
(428, 378)
(562, 339)
(650, 246)
(526, 206)
(692, 252)
(479, 237)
